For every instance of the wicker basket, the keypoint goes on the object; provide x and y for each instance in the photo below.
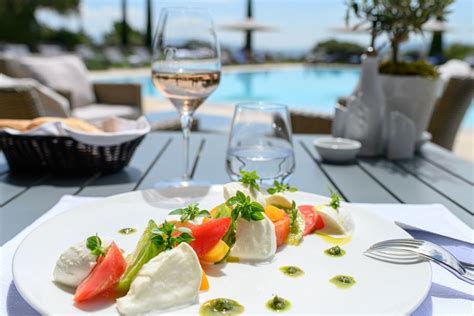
(64, 155)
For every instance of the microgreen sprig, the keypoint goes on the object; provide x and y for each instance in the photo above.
(293, 214)
(280, 187)
(94, 244)
(335, 200)
(244, 207)
(190, 212)
(250, 178)
(165, 237)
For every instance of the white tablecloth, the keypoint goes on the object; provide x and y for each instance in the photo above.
(448, 295)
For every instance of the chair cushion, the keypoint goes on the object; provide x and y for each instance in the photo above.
(100, 111)
(53, 104)
(63, 73)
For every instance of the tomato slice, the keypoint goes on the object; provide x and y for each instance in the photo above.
(312, 219)
(208, 234)
(309, 216)
(103, 276)
(282, 229)
(319, 222)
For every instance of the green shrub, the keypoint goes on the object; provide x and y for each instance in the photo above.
(415, 68)
(459, 51)
(66, 38)
(334, 47)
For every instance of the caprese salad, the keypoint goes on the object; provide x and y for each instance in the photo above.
(166, 270)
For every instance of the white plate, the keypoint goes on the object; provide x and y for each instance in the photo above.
(380, 288)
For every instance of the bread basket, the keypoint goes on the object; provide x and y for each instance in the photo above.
(64, 155)
(71, 146)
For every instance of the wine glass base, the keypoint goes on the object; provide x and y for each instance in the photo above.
(180, 183)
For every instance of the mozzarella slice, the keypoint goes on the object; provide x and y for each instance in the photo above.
(255, 240)
(278, 199)
(169, 280)
(336, 223)
(75, 264)
(230, 190)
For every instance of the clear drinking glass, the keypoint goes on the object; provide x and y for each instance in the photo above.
(261, 140)
(186, 67)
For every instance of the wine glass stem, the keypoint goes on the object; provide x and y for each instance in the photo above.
(186, 123)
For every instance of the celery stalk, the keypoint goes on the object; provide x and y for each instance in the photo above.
(144, 252)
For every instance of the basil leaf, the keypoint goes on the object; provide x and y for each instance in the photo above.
(257, 216)
(204, 213)
(250, 179)
(190, 212)
(94, 244)
(178, 211)
(335, 200)
(186, 230)
(280, 187)
(232, 201)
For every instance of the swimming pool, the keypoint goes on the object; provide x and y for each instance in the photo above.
(309, 88)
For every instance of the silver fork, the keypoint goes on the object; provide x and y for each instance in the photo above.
(408, 251)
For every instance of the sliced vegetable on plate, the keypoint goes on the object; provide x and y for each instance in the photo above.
(110, 267)
(144, 252)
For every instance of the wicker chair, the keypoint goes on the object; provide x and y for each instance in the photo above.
(119, 99)
(447, 116)
(450, 110)
(20, 102)
(306, 122)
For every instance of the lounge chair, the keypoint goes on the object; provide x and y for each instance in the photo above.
(85, 52)
(14, 50)
(140, 56)
(50, 50)
(113, 55)
(67, 76)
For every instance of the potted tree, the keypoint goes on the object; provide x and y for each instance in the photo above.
(410, 88)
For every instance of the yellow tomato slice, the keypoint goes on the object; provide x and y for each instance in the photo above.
(217, 253)
(204, 282)
(274, 213)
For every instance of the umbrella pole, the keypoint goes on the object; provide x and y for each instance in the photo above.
(248, 33)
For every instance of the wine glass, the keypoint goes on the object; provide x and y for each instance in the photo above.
(186, 67)
(261, 140)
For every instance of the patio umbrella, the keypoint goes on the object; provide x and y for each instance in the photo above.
(249, 25)
(437, 27)
(148, 33)
(124, 31)
(362, 29)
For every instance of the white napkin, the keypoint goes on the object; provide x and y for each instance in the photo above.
(116, 131)
(447, 295)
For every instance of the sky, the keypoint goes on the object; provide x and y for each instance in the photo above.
(299, 23)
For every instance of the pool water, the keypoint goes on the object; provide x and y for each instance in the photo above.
(307, 88)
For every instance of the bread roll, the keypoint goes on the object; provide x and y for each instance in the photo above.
(82, 125)
(71, 122)
(20, 125)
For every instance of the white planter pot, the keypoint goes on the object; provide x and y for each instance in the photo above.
(413, 96)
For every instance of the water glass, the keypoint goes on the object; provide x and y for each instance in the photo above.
(261, 140)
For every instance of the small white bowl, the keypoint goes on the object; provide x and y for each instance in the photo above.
(337, 150)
